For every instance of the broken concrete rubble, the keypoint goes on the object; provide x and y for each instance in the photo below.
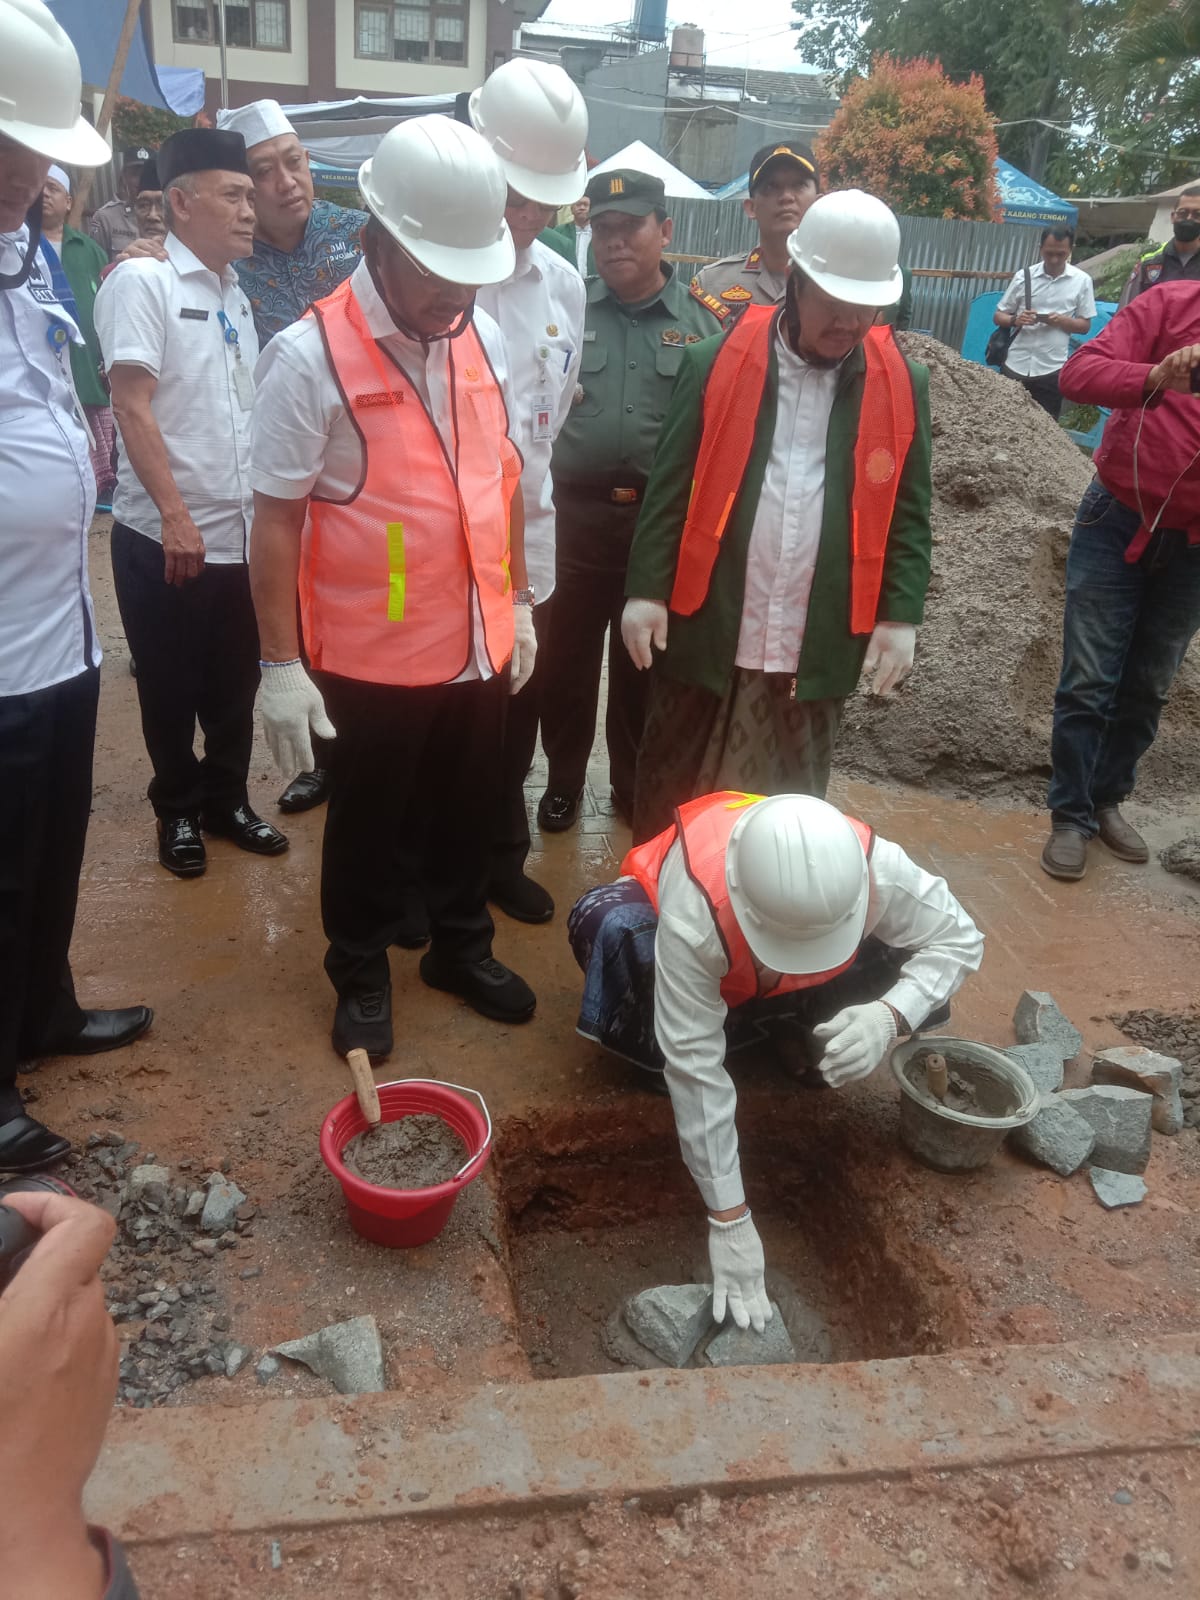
(1120, 1119)
(1058, 1137)
(1135, 1067)
(349, 1354)
(1117, 1188)
(670, 1320)
(221, 1205)
(1037, 1020)
(1042, 1062)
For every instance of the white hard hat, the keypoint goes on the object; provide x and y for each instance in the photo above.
(798, 883)
(439, 191)
(848, 243)
(40, 87)
(535, 121)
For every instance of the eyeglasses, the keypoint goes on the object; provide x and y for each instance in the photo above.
(1186, 216)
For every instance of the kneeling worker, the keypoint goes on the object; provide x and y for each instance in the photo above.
(764, 900)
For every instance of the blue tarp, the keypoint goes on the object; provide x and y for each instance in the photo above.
(1025, 201)
(94, 26)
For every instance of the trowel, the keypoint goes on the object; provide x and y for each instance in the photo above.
(367, 1094)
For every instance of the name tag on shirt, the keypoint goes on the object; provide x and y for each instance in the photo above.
(543, 417)
(243, 384)
(193, 314)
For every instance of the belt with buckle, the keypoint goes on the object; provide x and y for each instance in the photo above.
(624, 497)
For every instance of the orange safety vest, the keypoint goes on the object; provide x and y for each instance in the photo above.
(390, 576)
(732, 397)
(703, 826)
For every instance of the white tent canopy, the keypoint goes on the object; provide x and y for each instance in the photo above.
(641, 158)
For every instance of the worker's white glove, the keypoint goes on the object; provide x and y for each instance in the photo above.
(889, 656)
(855, 1041)
(292, 710)
(735, 1254)
(643, 623)
(524, 649)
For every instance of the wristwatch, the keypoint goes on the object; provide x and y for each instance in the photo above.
(524, 597)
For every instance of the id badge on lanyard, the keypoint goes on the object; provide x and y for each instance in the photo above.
(243, 383)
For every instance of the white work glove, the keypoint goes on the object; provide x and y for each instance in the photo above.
(524, 649)
(855, 1041)
(643, 623)
(292, 710)
(889, 656)
(735, 1254)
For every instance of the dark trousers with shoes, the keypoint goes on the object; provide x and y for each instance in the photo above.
(1126, 629)
(196, 648)
(412, 778)
(46, 742)
(593, 537)
(522, 712)
(1044, 389)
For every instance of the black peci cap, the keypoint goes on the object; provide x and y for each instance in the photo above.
(201, 150)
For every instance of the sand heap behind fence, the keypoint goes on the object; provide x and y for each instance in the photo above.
(974, 720)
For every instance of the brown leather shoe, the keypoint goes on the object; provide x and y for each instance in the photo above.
(1120, 838)
(1065, 854)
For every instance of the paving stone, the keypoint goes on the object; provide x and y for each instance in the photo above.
(1135, 1067)
(349, 1354)
(671, 1320)
(742, 1347)
(1037, 1020)
(1117, 1188)
(220, 1205)
(1042, 1062)
(1120, 1119)
(1058, 1137)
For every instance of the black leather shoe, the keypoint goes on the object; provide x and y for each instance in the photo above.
(246, 829)
(102, 1030)
(522, 899)
(180, 847)
(364, 1022)
(557, 812)
(27, 1146)
(306, 790)
(487, 986)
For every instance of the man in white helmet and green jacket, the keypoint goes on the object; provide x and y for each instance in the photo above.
(784, 908)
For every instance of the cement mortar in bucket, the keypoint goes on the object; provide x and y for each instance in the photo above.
(953, 1140)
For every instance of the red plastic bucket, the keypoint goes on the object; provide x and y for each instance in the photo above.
(402, 1218)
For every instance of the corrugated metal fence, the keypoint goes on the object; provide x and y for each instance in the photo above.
(952, 261)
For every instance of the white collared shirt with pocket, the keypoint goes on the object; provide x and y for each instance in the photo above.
(1040, 350)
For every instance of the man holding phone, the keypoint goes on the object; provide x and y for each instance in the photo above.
(1061, 302)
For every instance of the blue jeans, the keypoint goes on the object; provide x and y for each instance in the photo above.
(1126, 628)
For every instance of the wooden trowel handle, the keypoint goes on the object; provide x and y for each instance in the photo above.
(936, 1075)
(364, 1086)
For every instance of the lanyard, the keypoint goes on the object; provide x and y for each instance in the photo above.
(231, 334)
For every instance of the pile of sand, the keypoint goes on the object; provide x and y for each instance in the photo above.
(974, 719)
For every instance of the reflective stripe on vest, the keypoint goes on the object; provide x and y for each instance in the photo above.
(390, 577)
(704, 827)
(732, 398)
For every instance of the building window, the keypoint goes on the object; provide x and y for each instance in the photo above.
(412, 30)
(249, 24)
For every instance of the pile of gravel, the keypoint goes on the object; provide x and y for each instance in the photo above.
(1177, 1036)
(974, 720)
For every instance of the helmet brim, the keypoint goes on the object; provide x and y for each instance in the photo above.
(479, 265)
(80, 146)
(823, 953)
(853, 291)
(547, 188)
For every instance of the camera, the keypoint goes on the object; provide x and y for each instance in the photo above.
(17, 1238)
(1195, 380)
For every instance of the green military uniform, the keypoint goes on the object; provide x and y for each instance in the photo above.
(1160, 264)
(601, 461)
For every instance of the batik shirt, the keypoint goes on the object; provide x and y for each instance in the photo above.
(282, 284)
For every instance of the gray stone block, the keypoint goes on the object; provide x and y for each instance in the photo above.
(1042, 1062)
(1134, 1067)
(742, 1347)
(671, 1320)
(220, 1206)
(1117, 1188)
(349, 1354)
(1037, 1020)
(1120, 1119)
(1058, 1137)
(146, 1177)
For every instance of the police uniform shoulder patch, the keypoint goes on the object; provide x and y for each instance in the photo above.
(1154, 273)
(710, 302)
(754, 260)
(737, 294)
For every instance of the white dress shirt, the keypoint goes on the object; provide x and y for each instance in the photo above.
(540, 311)
(304, 439)
(583, 241)
(786, 533)
(909, 909)
(47, 490)
(1037, 351)
(166, 316)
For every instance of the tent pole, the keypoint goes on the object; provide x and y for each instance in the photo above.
(84, 187)
(224, 63)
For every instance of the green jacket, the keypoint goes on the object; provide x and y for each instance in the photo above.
(562, 239)
(83, 261)
(701, 649)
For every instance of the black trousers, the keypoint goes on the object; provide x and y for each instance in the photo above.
(592, 552)
(522, 712)
(196, 649)
(1043, 389)
(46, 742)
(412, 780)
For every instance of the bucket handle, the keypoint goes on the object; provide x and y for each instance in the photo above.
(462, 1089)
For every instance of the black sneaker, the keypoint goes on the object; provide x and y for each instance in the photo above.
(364, 1022)
(522, 899)
(487, 986)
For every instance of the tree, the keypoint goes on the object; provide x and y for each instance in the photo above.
(917, 140)
(136, 124)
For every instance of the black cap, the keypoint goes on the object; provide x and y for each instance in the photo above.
(798, 155)
(625, 189)
(135, 152)
(149, 177)
(201, 150)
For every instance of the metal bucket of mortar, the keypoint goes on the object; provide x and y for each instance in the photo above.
(402, 1218)
(959, 1141)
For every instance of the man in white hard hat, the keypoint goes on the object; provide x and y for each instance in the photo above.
(535, 121)
(384, 475)
(49, 653)
(779, 904)
(783, 548)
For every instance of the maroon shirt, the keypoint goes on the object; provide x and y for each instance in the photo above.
(1110, 370)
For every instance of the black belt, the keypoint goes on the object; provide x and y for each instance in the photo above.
(615, 494)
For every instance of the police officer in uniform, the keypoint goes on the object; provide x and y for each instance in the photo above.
(640, 317)
(783, 184)
(115, 225)
(1178, 258)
